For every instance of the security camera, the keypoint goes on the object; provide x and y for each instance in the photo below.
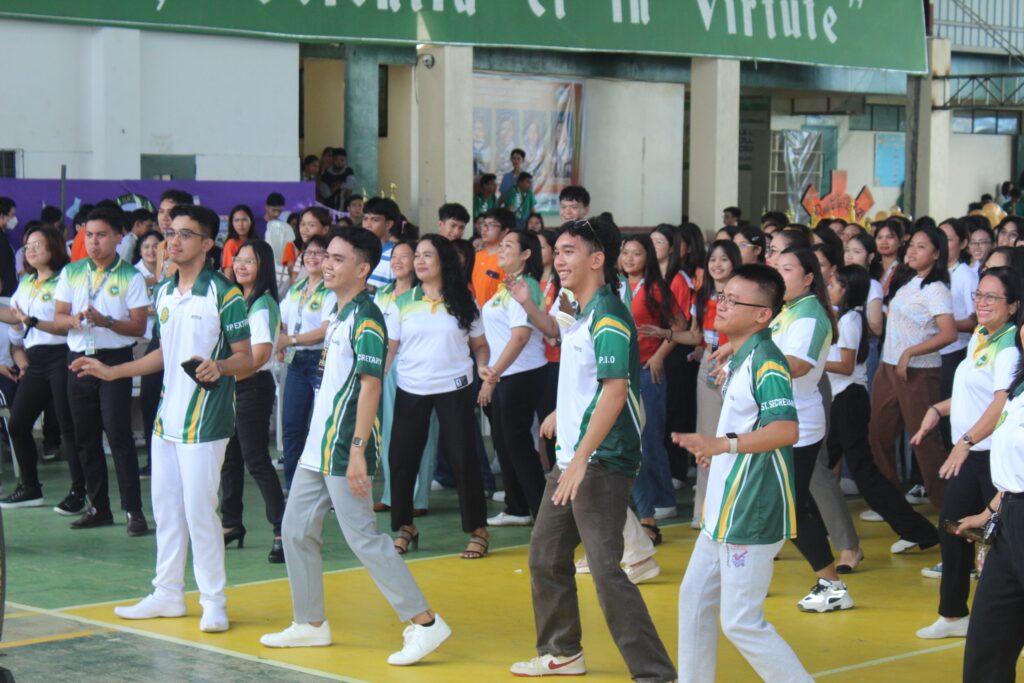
(427, 60)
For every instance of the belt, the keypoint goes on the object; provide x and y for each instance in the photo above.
(1013, 496)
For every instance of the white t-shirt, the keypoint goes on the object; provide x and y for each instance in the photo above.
(146, 274)
(875, 292)
(912, 313)
(36, 299)
(264, 324)
(114, 292)
(434, 355)
(301, 312)
(963, 280)
(126, 247)
(850, 331)
(989, 367)
(500, 316)
(1007, 456)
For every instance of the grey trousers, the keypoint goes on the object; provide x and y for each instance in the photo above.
(596, 517)
(310, 499)
(825, 491)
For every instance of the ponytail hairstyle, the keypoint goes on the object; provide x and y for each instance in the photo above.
(756, 238)
(534, 266)
(657, 296)
(857, 283)
(809, 264)
(707, 288)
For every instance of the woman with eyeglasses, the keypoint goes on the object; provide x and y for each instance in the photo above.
(305, 312)
(982, 242)
(751, 242)
(148, 261)
(980, 391)
(241, 227)
(255, 273)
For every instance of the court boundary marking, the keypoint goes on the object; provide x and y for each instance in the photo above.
(886, 660)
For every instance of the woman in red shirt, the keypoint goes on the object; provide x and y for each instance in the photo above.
(241, 223)
(652, 304)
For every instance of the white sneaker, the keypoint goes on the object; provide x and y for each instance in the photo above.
(665, 513)
(582, 566)
(902, 546)
(505, 519)
(677, 483)
(420, 641)
(643, 571)
(299, 635)
(695, 523)
(917, 495)
(945, 629)
(151, 607)
(214, 620)
(435, 485)
(932, 572)
(551, 665)
(498, 496)
(871, 516)
(826, 596)
(848, 487)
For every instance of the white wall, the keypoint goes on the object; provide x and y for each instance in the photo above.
(632, 158)
(978, 164)
(96, 99)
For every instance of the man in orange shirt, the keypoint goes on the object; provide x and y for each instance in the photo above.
(487, 274)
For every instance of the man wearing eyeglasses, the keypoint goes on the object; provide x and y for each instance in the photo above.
(204, 331)
(748, 507)
(487, 274)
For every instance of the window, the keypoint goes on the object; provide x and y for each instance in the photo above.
(883, 118)
(986, 122)
(8, 159)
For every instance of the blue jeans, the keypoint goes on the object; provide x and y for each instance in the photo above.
(297, 408)
(653, 486)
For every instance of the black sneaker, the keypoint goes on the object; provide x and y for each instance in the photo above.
(73, 504)
(51, 454)
(23, 497)
(137, 525)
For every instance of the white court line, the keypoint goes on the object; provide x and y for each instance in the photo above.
(187, 643)
(885, 660)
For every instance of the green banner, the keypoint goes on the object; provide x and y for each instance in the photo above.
(879, 34)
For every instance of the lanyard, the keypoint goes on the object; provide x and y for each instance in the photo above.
(303, 300)
(332, 328)
(94, 293)
(638, 286)
(37, 287)
(547, 288)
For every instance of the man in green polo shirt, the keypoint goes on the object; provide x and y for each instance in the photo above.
(749, 508)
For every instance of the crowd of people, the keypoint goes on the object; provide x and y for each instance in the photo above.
(773, 365)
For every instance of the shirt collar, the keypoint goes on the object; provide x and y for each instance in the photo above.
(202, 283)
(749, 346)
(602, 292)
(357, 301)
(113, 264)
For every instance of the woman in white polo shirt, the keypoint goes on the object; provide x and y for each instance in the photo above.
(980, 389)
(517, 352)
(437, 328)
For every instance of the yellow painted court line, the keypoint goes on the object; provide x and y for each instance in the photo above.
(187, 643)
(18, 615)
(894, 658)
(49, 639)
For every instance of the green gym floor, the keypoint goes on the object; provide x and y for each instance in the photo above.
(62, 584)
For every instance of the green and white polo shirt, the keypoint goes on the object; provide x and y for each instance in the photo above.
(989, 367)
(802, 329)
(356, 345)
(264, 324)
(112, 291)
(503, 313)
(750, 499)
(301, 313)
(36, 299)
(433, 352)
(203, 322)
(1007, 459)
(601, 344)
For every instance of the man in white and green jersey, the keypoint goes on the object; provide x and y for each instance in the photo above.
(339, 460)
(749, 506)
(202, 325)
(597, 419)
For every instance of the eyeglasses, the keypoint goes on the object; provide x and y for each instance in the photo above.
(744, 245)
(33, 246)
(585, 223)
(984, 297)
(492, 225)
(729, 302)
(315, 253)
(769, 250)
(247, 261)
(183, 235)
(979, 243)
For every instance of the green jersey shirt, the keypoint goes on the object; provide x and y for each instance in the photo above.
(203, 321)
(601, 344)
(750, 498)
(355, 344)
(265, 324)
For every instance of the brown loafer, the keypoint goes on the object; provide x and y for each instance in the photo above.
(381, 507)
(92, 519)
(137, 525)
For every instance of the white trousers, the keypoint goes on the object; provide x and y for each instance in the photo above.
(733, 579)
(185, 483)
(637, 545)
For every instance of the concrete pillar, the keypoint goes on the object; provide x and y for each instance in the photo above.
(714, 140)
(362, 122)
(115, 103)
(929, 130)
(444, 124)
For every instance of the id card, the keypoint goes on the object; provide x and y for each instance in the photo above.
(90, 343)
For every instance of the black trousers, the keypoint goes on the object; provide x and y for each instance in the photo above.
(680, 406)
(513, 406)
(995, 635)
(250, 446)
(968, 494)
(99, 407)
(149, 399)
(455, 413)
(848, 436)
(950, 362)
(546, 405)
(45, 379)
(811, 538)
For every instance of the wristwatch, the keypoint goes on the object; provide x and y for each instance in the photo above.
(967, 440)
(110, 321)
(358, 443)
(734, 442)
(32, 322)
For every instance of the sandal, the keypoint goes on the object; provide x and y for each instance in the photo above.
(474, 539)
(655, 533)
(412, 541)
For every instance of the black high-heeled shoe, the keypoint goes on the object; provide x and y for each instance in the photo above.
(276, 554)
(235, 534)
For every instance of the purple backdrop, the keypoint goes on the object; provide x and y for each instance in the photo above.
(32, 195)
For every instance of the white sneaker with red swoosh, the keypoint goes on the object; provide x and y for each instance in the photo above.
(551, 665)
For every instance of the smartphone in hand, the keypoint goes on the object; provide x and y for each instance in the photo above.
(190, 367)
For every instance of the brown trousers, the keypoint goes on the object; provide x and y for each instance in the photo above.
(897, 404)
